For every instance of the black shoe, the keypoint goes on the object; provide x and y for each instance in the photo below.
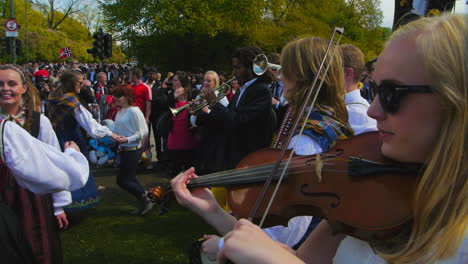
(144, 205)
(164, 203)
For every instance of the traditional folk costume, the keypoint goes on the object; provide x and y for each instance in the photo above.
(35, 212)
(68, 117)
(321, 132)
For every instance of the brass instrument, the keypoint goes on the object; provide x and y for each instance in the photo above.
(221, 93)
(261, 65)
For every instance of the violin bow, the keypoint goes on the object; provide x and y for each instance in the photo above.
(302, 110)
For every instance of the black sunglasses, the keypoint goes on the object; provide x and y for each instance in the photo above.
(391, 93)
(118, 95)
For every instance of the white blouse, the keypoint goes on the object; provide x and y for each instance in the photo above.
(130, 123)
(88, 123)
(47, 135)
(38, 166)
(355, 251)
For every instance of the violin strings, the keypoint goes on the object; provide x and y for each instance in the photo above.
(258, 177)
(250, 174)
(240, 172)
(246, 174)
(246, 170)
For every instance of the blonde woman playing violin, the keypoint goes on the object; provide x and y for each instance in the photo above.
(422, 116)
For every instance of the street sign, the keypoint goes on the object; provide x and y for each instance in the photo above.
(11, 25)
(11, 28)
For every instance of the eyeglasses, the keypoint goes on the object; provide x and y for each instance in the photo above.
(118, 95)
(391, 94)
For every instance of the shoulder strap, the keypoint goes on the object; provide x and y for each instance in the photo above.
(2, 126)
(36, 122)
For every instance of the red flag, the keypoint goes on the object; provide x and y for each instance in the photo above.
(65, 53)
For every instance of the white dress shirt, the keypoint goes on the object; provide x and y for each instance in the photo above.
(243, 88)
(357, 113)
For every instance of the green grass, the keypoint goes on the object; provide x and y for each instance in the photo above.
(109, 234)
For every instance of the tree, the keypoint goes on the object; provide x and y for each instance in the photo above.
(44, 43)
(55, 12)
(90, 17)
(158, 30)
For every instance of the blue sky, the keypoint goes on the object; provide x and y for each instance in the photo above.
(388, 7)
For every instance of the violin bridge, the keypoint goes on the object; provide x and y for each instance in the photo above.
(318, 167)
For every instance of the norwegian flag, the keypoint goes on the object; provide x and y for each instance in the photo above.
(65, 53)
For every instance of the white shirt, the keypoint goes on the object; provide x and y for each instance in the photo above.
(130, 123)
(357, 113)
(48, 136)
(355, 251)
(243, 88)
(88, 123)
(38, 166)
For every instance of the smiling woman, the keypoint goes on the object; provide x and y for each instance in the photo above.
(18, 100)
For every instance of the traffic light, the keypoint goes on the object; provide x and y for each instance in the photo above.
(19, 47)
(107, 46)
(98, 46)
(6, 45)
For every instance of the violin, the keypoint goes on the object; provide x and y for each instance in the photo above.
(359, 192)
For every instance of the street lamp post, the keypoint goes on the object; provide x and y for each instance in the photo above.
(26, 30)
(12, 39)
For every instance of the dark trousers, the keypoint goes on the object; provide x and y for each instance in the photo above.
(180, 160)
(161, 144)
(126, 178)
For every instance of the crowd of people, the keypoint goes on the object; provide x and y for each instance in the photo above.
(208, 122)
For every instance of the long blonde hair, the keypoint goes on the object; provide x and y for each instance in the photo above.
(441, 197)
(300, 61)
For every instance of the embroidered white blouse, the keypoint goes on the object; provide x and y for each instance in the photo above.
(38, 166)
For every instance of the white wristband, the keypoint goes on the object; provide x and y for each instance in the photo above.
(221, 243)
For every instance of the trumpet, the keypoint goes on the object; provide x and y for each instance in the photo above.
(261, 65)
(222, 89)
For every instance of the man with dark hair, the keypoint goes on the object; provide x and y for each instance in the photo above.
(248, 119)
(142, 100)
(365, 77)
(152, 80)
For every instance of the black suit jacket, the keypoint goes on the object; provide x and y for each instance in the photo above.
(247, 126)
